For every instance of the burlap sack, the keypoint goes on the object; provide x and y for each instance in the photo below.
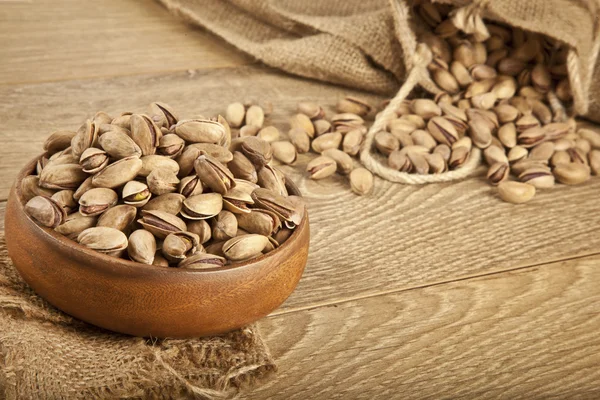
(371, 45)
(45, 354)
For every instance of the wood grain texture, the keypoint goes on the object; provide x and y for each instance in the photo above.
(527, 334)
(45, 40)
(396, 238)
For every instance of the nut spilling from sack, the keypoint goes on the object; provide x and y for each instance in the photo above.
(162, 190)
(506, 93)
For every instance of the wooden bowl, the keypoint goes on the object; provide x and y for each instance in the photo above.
(145, 300)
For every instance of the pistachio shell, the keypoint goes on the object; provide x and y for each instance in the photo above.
(224, 226)
(118, 173)
(136, 193)
(161, 223)
(258, 151)
(170, 203)
(235, 114)
(62, 176)
(200, 130)
(46, 211)
(171, 145)
(119, 217)
(93, 160)
(156, 161)
(244, 247)
(58, 141)
(190, 186)
(104, 240)
(118, 145)
(142, 246)
(202, 206)
(145, 133)
(74, 224)
(179, 245)
(97, 200)
(202, 261)
(161, 181)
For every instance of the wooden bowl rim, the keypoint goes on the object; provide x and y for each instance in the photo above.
(63, 241)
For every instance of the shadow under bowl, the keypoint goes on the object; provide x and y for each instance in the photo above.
(145, 300)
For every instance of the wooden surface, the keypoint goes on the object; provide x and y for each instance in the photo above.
(438, 291)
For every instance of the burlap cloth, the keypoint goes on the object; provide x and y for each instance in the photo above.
(46, 354)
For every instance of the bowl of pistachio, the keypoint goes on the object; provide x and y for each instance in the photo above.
(158, 226)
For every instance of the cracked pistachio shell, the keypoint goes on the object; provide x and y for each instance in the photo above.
(311, 110)
(179, 245)
(244, 247)
(123, 120)
(171, 145)
(222, 154)
(84, 187)
(214, 174)
(442, 130)
(399, 161)
(282, 235)
(170, 203)
(166, 112)
(190, 186)
(97, 200)
(145, 133)
(65, 199)
(322, 126)
(237, 199)
(105, 128)
(494, 154)
(241, 167)
(58, 141)
(105, 240)
(161, 181)
(273, 179)
(118, 173)
(498, 172)
(46, 211)
(321, 167)
(540, 177)
(303, 122)
(426, 108)
(280, 205)
(436, 162)
(93, 160)
(300, 210)
(226, 139)
(299, 139)
(361, 181)
(458, 157)
(353, 105)
(62, 176)
(331, 140)
(142, 246)
(160, 260)
(118, 145)
(200, 228)
(423, 138)
(74, 224)
(202, 206)
(342, 160)
(86, 137)
(136, 193)
(516, 192)
(352, 141)
(224, 226)
(284, 152)
(235, 114)
(202, 261)
(444, 150)
(30, 188)
(161, 223)
(156, 161)
(261, 222)
(258, 151)
(200, 131)
(119, 217)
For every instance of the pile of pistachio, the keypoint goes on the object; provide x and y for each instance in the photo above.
(162, 190)
(509, 95)
(335, 139)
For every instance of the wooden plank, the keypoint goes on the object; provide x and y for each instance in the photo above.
(46, 40)
(398, 237)
(527, 334)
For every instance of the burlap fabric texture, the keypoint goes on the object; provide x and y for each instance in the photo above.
(46, 354)
(373, 45)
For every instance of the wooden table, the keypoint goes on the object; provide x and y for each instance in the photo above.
(437, 291)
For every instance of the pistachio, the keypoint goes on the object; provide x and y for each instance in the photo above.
(523, 165)
(269, 134)
(311, 110)
(479, 87)
(495, 56)
(361, 181)
(282, 235)
(118, 145)
(202, 206)
(352, 142)
(242, 168)
(300, 139)
(591, 136)
(541, 79)
(398, 126)
(583, 145)
(93, 160)
(213, 174)
(255, 116)
(480, 132)
(560, 157)
(563, 90)
(187, 159)
(542, 151)
(495, 155)
(458, 157)
(443, 150)
(508, 135)
(452, 111)
(170, 203)
(238, 198)
(353, 105)
(161, 223)
(436, 162)
(505, 88)
(62, 176)
(166, 113)
(235, 114)
(160, 260)
(202, 261)
(142, 246)
(482, 71)
(594, 161)
(301, 121)
(284, 152)
(511, 66)
(563, 144)
(222, 154)
(516, 192)
(161, 181)
(399, 161)
(327, 141)
(272, 179)
(321, 167)
(58, 141)
(322, 126)
(200, 131)
(201, 228)
(484, 101)
(461, 74)
(84, 187)
(74, 224)
(386, 143)
(190, 186)
(119, 217)
(86, 137)
(244, 247)
(249, 130)
(258, 221)
(118, 173)
(145, 133)
(179, 245)
(225, 226)
(46, 211)
(540, 177)
(105, 240)
(426, 108)
(123, 120)
(498, 172)
(258, 151)
(171, 145)
(343, 161)
(280, 205)
(30, 188)
(526, 122)
(105, 128)
(577, 156)
(446, 81)
(346, 120)
(532, 136)
(442, 130)
(419, 162)
(97, 200)
(506, 113)
(64, 198)
(572, 173)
